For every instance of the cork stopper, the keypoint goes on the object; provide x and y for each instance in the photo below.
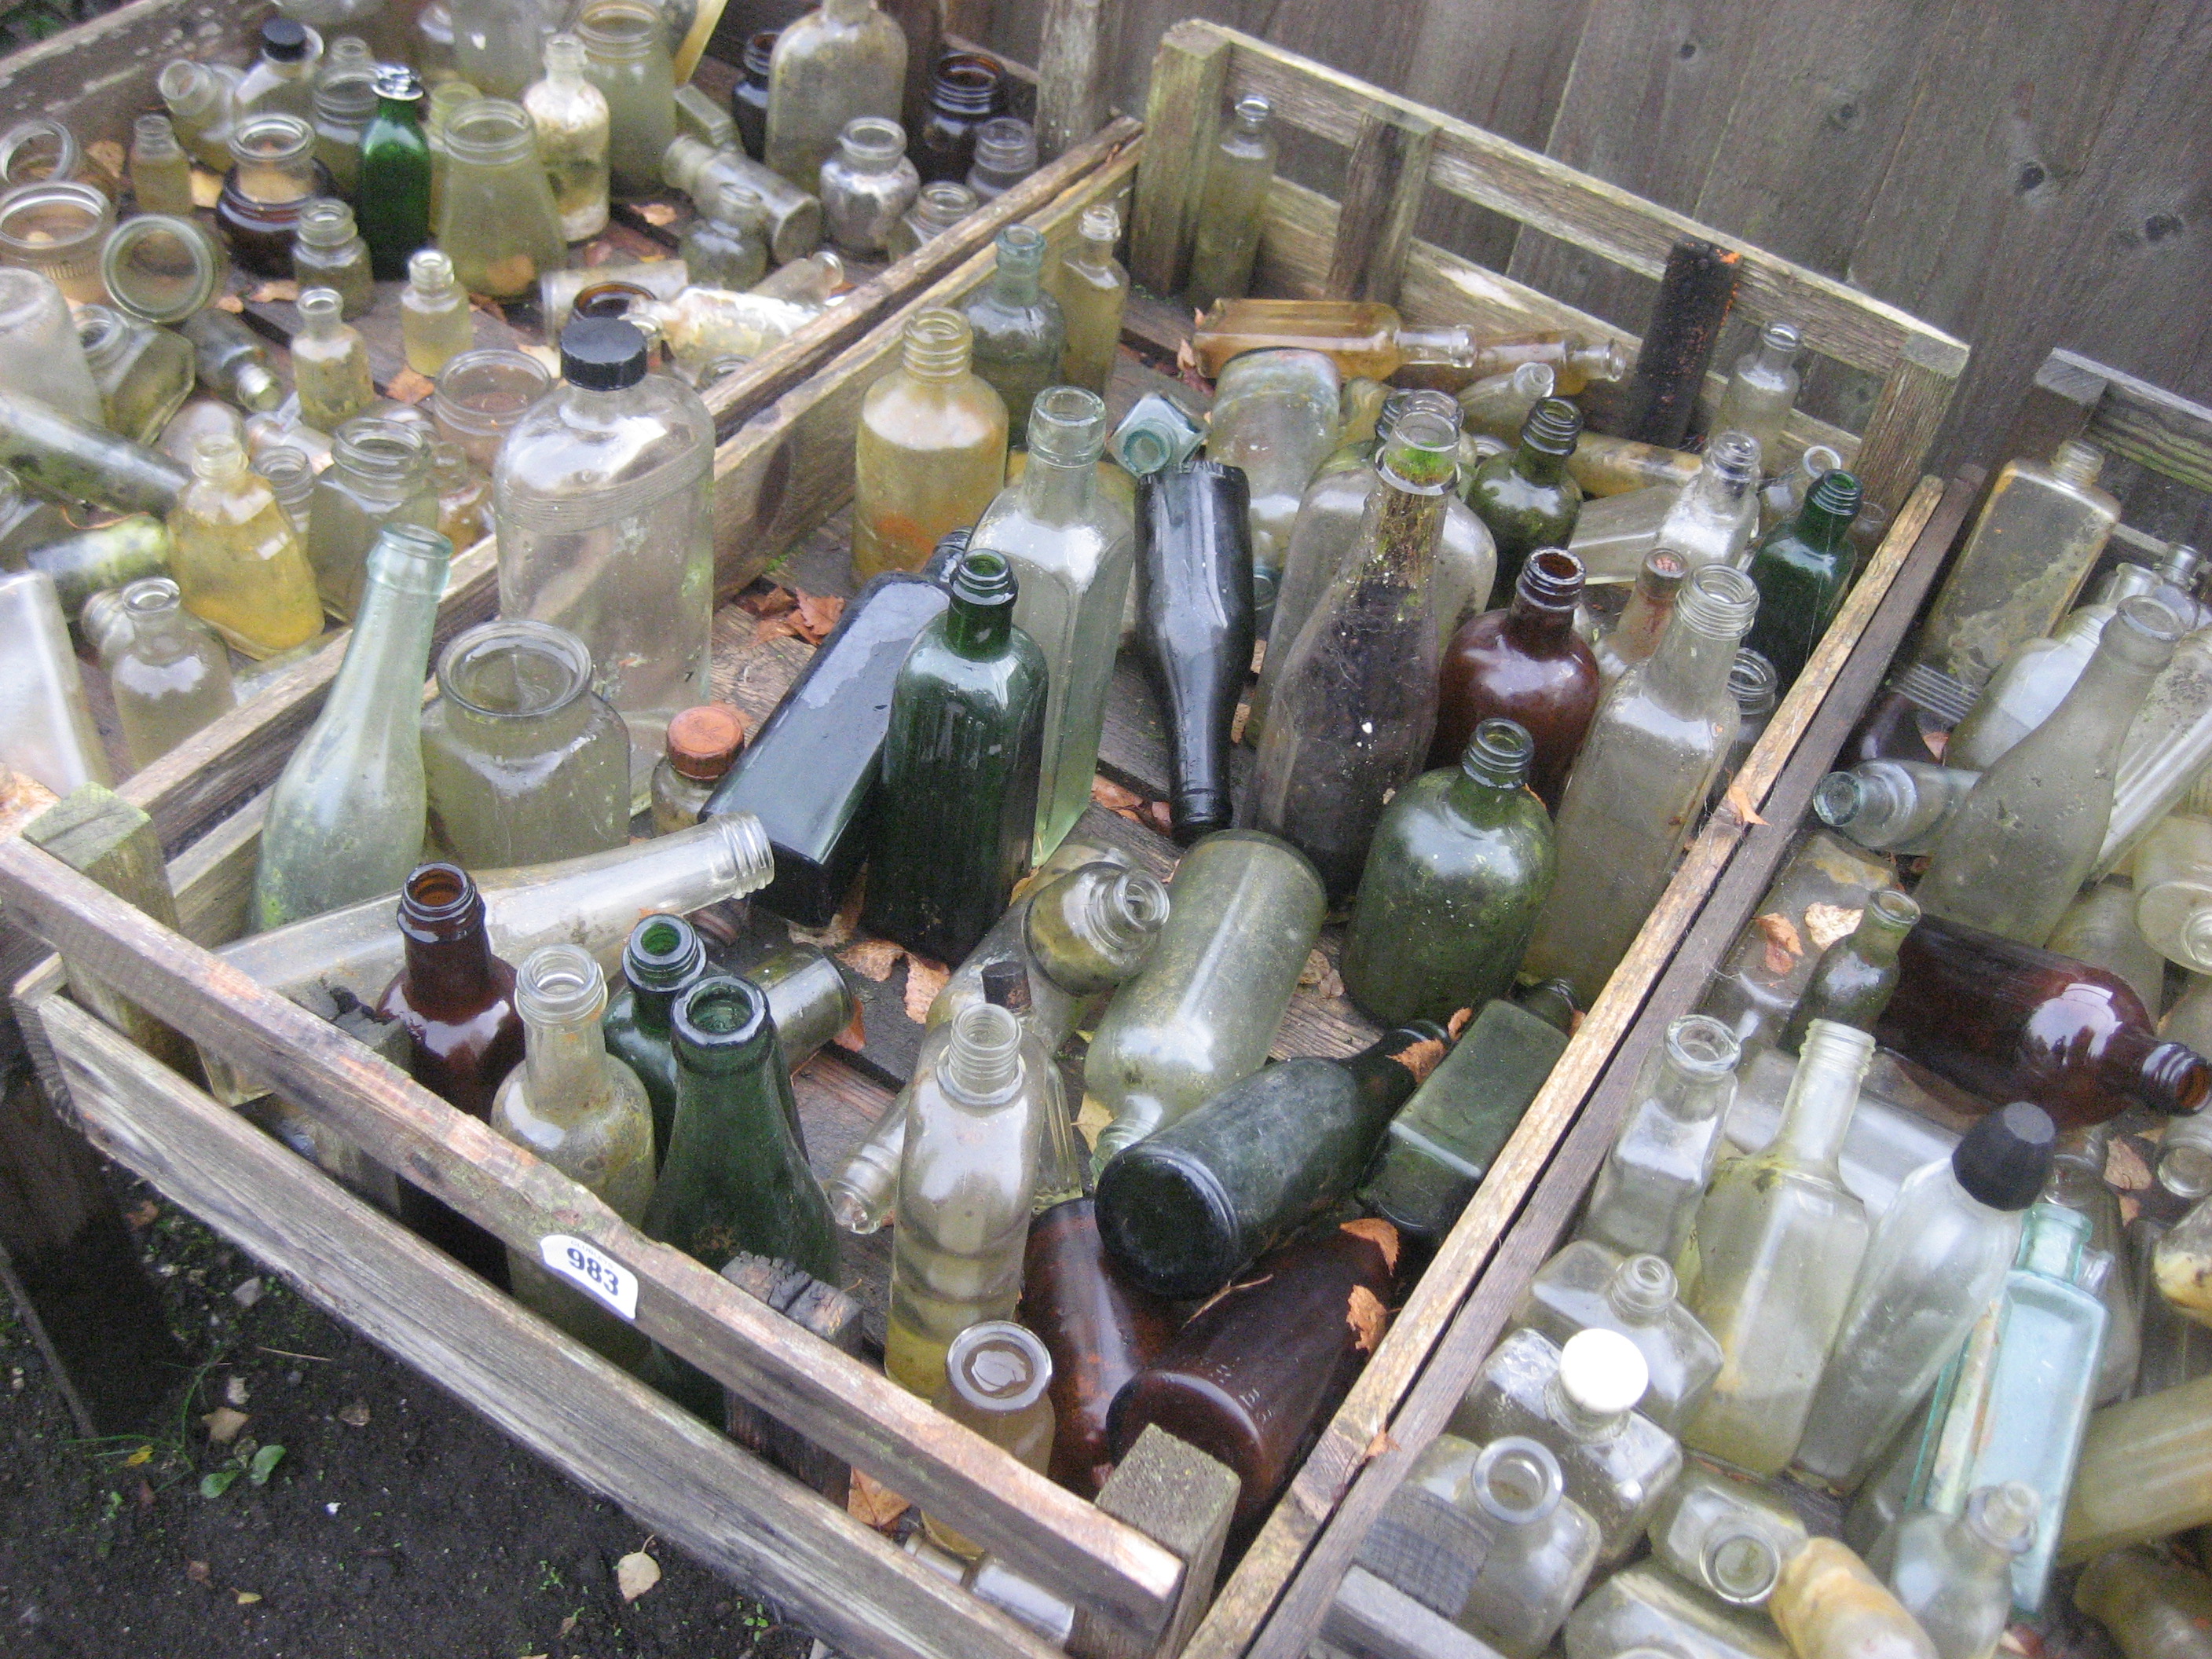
(703, 741)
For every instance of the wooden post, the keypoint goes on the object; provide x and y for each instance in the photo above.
(1906, 417)
(1383, 185)
(1374, 1619)
(1181, 116)
(830, 1315)
(1071, 76)
(1178, 1497)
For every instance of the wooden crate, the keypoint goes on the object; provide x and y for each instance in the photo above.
(1397, 153)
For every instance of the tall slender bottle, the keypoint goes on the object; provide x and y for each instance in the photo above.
(1018, 328)
(1642, 620)
(345, 820)
(1525, 496)
(1857, 975)
(1233, 205)
(1647, 1191)
(1778, 1237)
(1524, 664)
(1355, 706)
(662, 959)
(1639, 783)
(569, 116)
(2018, 849)
(394, 191)
(1071, 548)
(1891, 805)
(583, 1111)
(931, 448)
(1801, 570)
(845, 58)
(1762, 390)
(1275, 414)
(1092, 288)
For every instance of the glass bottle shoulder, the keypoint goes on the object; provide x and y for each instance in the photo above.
(933, 415)
(576, 443)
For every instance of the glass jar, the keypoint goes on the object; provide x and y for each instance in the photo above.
(570, 116)
(867, 185)
(292, 475)
(328, 253)
(57, 227)
(843, 59)
(435, 325)
(330, 363)
(168, 671)
(1005, 153)
(144, 373)
(941, 206)
(702, 743)
(199, 97)
(239, 563)
(379, 475)
(932, 449)
(396, 171)
(497, 43)
(726, 245)
(344, 104)
(463, 496)
(445, 101)
(968, 89)
(38, 149)
(163, 269)
(160, 171)
(524, 762)
(749, 97)
(497, 223)
(273, 176)
(41, 353)
(480, 395)
(626, 57)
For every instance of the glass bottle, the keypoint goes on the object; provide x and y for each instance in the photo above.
(1542, 1546)
(57, 226)
(2099, 929)
(327, 253)
(1233, 205)
(169, 674)
(1587, 1287)
(1071, 548)
(2040, 529)
(202, 103)
(1724, 1534)
(1188, 1207)
(1829, 1605)
(435, 325)
(794, 212)
(445, 99)
(2173, 890)
(960, 764)
(583, 1111)
(703, 742)
(1642, 620)
(843, 59)
(291, 474)
(2168, 747)
(1953, 1573)
(1892, 806)
(1802, 572)
(497, 218)
(966, 90)
(330, 363)
(525, 763)
(2155, 1607)
(1195, 628)
(497, 44)
(238, 561)
(1778, 1237)
(2175, 1348)
(1643, 1612)
(932, 451)
(1856, 975)
(936, 209)
(1005, 153)
(1498, 405)
(273, 175)
(41, 350)
(1525, 663)
(1355, 706)
(1157, 432)
(1762, 390)
(87, 567)
(481, 396)
(1432, 1537)
(1525, 496)
(48, 732)
(726, 245)
(966, 1180)
(1638, 784)
(1369, 338)
(996, 1374)
(144, 373)
(570, 118)
(662, 958)
(1461, 864)
(231, 360)
(379, 475)
(1940, 1254)
(1647, 1192)
(1439, 1147)
(626, 56)
(1246, 909)
(344, 105)
(1091, 288)
(2143, 1462)
(1018, 328)
(1274, 414)
(463, 496)
(866, 185)
(749, 97)
(71, 460)
(1752, 684)
(603, 493)
(2028, 835)
(160, 171)
(1710, 519)
(2077, 1181)
(282, 80)
(345, 819)
(1579, 1398)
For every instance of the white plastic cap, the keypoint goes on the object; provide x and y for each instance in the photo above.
(1603, 1372)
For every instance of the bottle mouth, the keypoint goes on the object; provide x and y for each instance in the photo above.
(37, 149)
(1836, 493)
(1550, 579)
(2006, 1516)
(429, 269)
(1701, 1046)
(1422, 452)
(1021, 250)
(150, 596)
(272, 141)
(720, 1014)
(491, 130)
(1643, 1285)
(218, 455)
(946, 203)
(983, 578)
(1137, 906)
(1833, 1045)
(486, 391)
(968, 83)
(1753, 683)
(98, 330)
(1101, 223)
(998, 1366)
(759, 51)
(2184, 1170)
(873, 140)
(410, 559)
(1733, 456)
(2175, 1079)
(1499, 754)
(1517, 1480)
(1554, 426)
(347, 97)
(514, 670)
(1837, 800)
(1719, 601)
(46, 224)
(1741, 1565)
(560, 985)
(620, 29)
(2077, 463)
(662, 952)
(1007, 143)
(1899, 913)
(983, 1060)
(434, 897)
(1067, 426)
(937, 343)
(378, 447)
(325, 223)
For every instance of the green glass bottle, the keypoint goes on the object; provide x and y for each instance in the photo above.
(1802, 569)
(1525, 496)
(1459, 866)
(1853, 980)
(958, 805)
(394, 201)
(663, 958)
(1019, 330)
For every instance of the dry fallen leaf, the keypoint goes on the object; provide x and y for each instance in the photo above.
(1826, 923)
(842, 926)
(245, 1598)
(207, 191)
(1237, 725)
(2130, 1207)
(1380, 1443)
(229, 303)
(924, 980)
(1320, 974)
(771, 601)
(1379, 1233)
(1739, 801)
(1091, 1120)
(222, 1424)
(636, 1573)
(854, 1037)
(1458, 1022)
(1782, 945)
(661, 214)
(282, 288)
(409, 387)
(873, 959)
(818, 614)
(1113, 797)
(196, 1571)
(1365, 1312)
(1420, 1058)
(108, 154)
(874, 1504)
(355, 1416)
(1937, 742)
(142, 1216)
(2124, 1168)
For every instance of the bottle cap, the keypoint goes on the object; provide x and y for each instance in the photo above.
(398, 82)
(2005, 1159)
(601, 354)
(1603, 1372)
(704, 740)
(1006, 985)
(284, 40)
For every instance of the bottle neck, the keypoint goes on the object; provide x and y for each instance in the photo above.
(379, 680)
(1447, 347)
(1822, 1096)
(1578, 1419)
(1641, 1290)
(565, 1068)
(1691, 663)
(849, 13)
(1056, 491)
(978, 630)
(1017, 285)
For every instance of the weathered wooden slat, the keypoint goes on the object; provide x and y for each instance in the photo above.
(1180, 118)
(1172, 1491)
(1384, 186)
(1070, 75)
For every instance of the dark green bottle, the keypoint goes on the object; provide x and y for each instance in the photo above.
(958, 799)
(1525, 496)
(1460, 866)
(663, 958)
(1852, 982)
(1184, 1210)
(393, 209)
(1802, 570)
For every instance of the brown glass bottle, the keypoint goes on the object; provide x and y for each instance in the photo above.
(1099, 1330)
(968, 89)
(1525, 663)
(2007, 1021)
(1253, 1376)
(455, 1000)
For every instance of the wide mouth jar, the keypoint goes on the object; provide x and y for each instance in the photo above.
(273, 159)
(490, 132)
(514, 671)
(873, 144)
(37, 150)
(58, 227)
(482, 394)
(968, 83)
(386, 451)
(162, 268)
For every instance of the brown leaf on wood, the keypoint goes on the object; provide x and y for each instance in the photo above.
(278, 289)
(854, 1037)
(660, 214)
(924, 980)
(770, 601)
(1113, 797)
(2124, 1168)
(1738, 800)
(1458, 1022)
(1380, 1443)
(873, 958)
(409, 387)
(842, 926)
(196, 1571)
(1158, 815)
(1937, 742)
(1782, 945)
(2130, 1207)
(1365, 1312)
(229, 303)
(1186, 358)
(143, 1215)
(818, 616)
(1379, 1233)
(108, 154)
(1826, 923)
(1091, 1120)
(1319, 975)
(636, 1573)
(874, 1504)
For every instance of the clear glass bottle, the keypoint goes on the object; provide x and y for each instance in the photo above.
(1647, 1191)
(996, 1374)
(1634, 635)
(932, 451)
(1524, 663)
(48, 732)
(1762, 390)
(1525, 496)
(231, 360)
(843, 59)
(273, 175)
(1892, 806)
(702, 745)
(794, 213)
(328, 253)
(1275, 414)
(2077, 1181)
(1005, 153)
(2099, 929)
(497, 44)
(2176, 1349)
(1542, 1546)
(1856, 977)
(292, 475)
(936, 209)
(1829, 1605)
(435, 324)
(1579, 1400)
(1365, 337)
(1643, 1612)
(202, 103)
(497, 219)
(1233, 206)
(571, 120)
(379, 475)
(1724, 1534)
(482, 395)
(169, 674)
(2028, 835)
(41, 350)
(1639, 783)
(966, 1180)
(282, 80)
(1587, 1287)
(1953, 1573)
(330, 363)
(1753, 683)
(2039, 530)
(2172, 890)
(344, 105)
(1355, 706)
(68, 459)
(1246, 909)
(1018, 328)
(242, 566)
(1092, 288)
(144, 373)
(726, 245)
(1072, 547)
(603, 493)
(626, 56)
(867, 185)
(583, 1111)
(523, 762)
(1710, 519)
(1777, 1238)
(2155, 1607)
(345, 819)
(160, 171)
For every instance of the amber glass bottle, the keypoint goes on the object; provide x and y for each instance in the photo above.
(1525, 663)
